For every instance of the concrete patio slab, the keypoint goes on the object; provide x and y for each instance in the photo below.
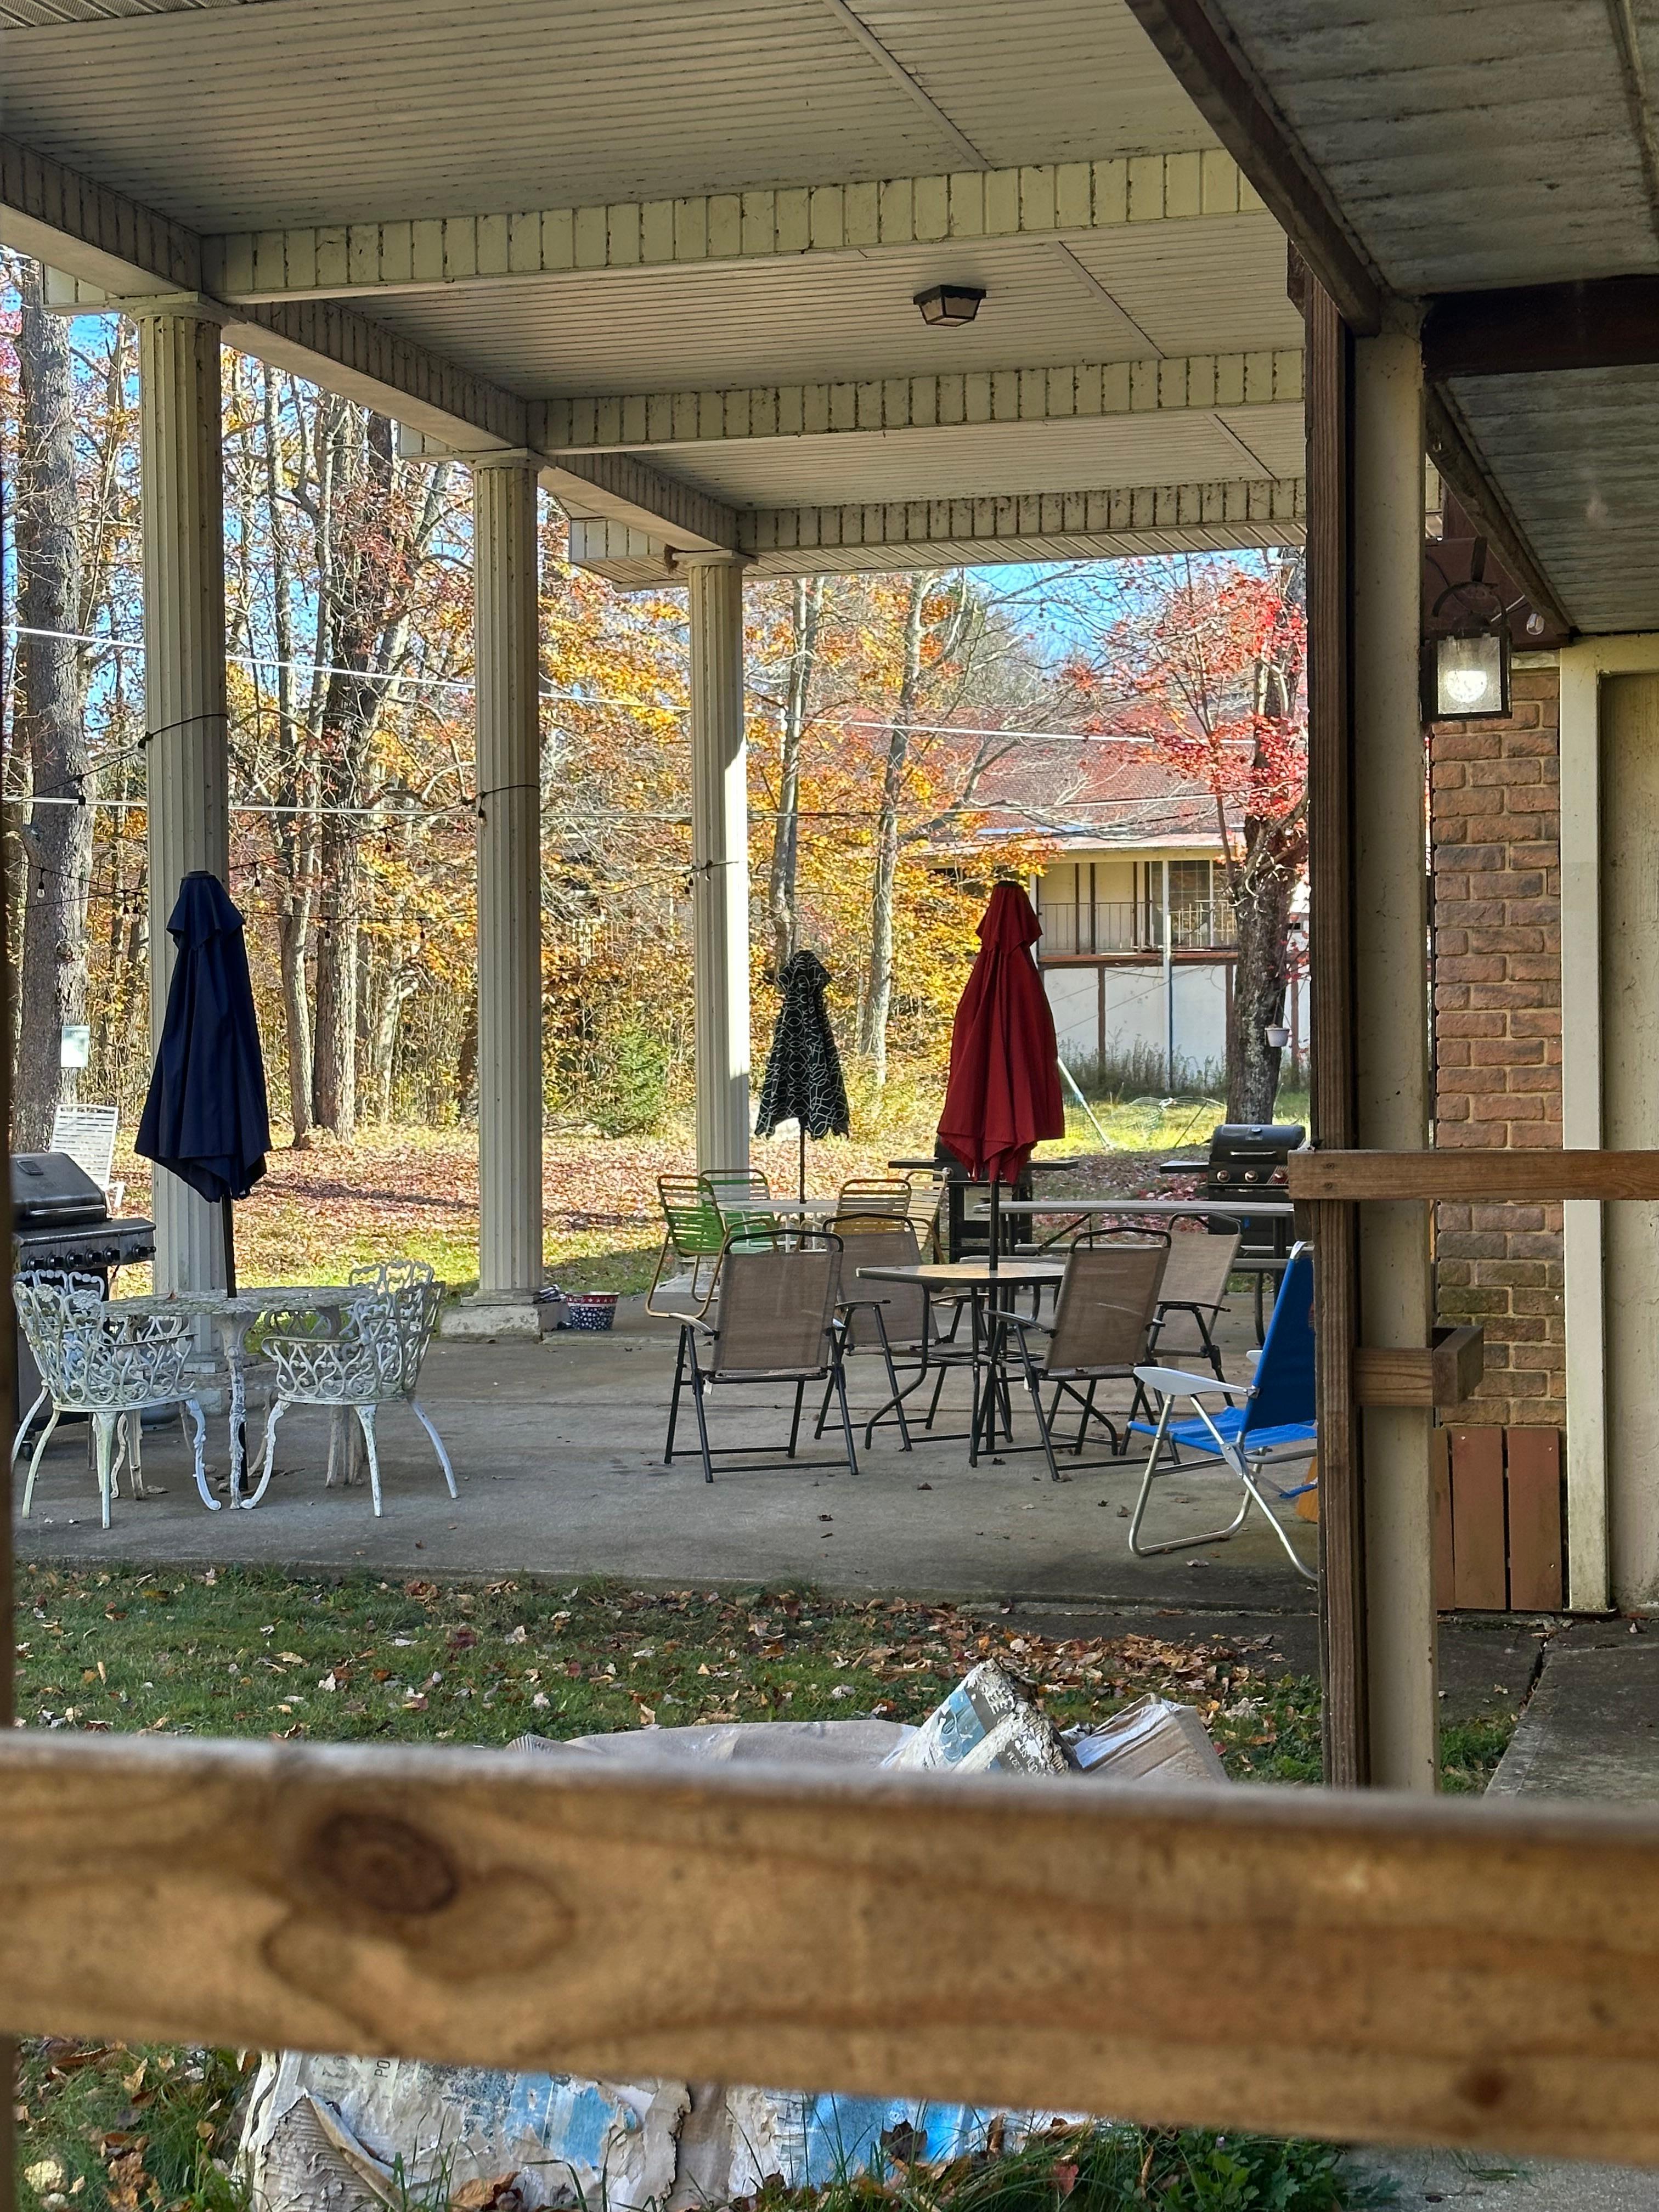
(1591, 1729)
(558, 1447)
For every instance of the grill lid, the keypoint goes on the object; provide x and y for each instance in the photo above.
(49, 1187)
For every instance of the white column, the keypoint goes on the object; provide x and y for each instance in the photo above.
(505, 606)
(1396, 1304)
(719, 863)
(1590, 1576)
(185, 753)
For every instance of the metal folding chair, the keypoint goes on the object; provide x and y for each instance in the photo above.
(894, 1319)
(777, 1324)
(874, 1197)
(694, 1234)
(1194, 1284)
(1271, 1419)
(1103, 1316)
(744, 1197)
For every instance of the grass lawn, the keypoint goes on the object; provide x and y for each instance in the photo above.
(415, 1192)
(236, 1651)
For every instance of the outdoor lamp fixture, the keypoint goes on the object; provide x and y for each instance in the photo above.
(949, 303)
(1471, 676)
(1466, 674)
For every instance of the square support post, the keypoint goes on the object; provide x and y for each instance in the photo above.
(1369, 929)
(506, 620)
(187, 776)
(720, 862)
(1391, 989)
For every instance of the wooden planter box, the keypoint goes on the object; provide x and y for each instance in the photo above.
(1498, 1521)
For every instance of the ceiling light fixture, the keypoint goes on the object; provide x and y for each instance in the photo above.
(949, 304)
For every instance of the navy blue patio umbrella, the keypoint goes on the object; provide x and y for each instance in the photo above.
(205, 1119)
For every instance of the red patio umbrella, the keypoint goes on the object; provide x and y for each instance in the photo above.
(1004, 1096)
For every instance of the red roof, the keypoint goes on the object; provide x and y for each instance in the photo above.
(1096, 791)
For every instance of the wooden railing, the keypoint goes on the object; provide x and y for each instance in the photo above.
(1345, 1965)
(1473, 1176)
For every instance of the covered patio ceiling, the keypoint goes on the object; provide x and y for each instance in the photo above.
(1498, 165)
(673, 254)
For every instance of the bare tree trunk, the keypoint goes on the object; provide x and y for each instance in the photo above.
(292, 841)
(373, 581)
(786, 841)
(335, 1066)
(1262, 900)
(50, 724)
(878, 983)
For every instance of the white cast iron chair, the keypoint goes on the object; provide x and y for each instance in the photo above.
(373, 1361)
(109, 1367)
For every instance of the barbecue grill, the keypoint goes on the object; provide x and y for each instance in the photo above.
(1250, 1159)
(60, 1221)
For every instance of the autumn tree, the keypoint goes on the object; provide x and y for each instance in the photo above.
(1206, 661)
(49, 727)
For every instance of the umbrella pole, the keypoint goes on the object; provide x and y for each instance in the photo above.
(801, 1131)
(996, 1221)
(228, 1223)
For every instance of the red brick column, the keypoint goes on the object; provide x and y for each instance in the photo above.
(1496, 966)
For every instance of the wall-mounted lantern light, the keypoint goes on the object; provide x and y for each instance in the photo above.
(1471, 676)
(949, 304)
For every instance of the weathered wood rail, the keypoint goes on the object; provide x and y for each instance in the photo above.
(1353, 1966)
(1546, 1177)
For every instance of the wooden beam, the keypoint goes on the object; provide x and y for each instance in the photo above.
(1473, 1176)
(1042, 201)
(1441, 1374)
(1533, 330)
(1343, 1661)
(1453, 452)
(973, 397)
(1303, 1962)
(1240, 113)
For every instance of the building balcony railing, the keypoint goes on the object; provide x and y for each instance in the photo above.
(1127, 927)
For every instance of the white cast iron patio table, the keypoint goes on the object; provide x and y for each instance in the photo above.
(232, 1314)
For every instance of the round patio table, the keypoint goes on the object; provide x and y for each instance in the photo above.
(232, 1315)
(977, 1280)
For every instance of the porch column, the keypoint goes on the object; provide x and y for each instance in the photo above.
(720, 862)
(506, 610)
(187, 781)
(1391, 1002)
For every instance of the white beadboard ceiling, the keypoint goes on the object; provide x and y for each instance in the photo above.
(321, 111)
(1100, 454)
(796, 321)
(231, 117)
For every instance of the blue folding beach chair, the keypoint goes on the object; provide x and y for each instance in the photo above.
(1273, 1422)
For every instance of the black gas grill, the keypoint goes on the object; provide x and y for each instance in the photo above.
(1248, 1159)
(61, 1224)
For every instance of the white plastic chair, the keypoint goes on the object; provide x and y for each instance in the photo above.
(87, 1134)
(108, 1366)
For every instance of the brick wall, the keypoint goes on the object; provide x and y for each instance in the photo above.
(1497, 959)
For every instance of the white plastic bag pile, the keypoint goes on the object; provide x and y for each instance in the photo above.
(358, 2135)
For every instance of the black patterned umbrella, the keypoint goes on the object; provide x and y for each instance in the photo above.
(802, 1080)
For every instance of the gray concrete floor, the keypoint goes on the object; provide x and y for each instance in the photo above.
(557, 1448)
(1591, 1729)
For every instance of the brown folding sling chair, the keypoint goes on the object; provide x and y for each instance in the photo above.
(776, 1324)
